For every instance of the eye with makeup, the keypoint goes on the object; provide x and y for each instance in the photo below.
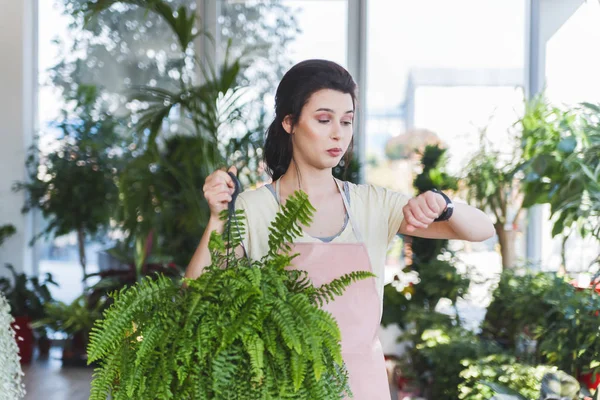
(323, 119)
(326, 119)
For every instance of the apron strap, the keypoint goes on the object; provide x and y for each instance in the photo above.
(344, 200)
(353, 223)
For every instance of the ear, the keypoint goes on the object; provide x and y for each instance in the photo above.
(287, 124)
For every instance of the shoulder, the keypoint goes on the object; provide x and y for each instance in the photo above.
(258, 202)
(373, 195)
(256, 196)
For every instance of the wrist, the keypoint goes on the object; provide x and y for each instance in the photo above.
(448, 210)
(215, 223)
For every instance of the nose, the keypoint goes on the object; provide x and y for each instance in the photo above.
(336, 131)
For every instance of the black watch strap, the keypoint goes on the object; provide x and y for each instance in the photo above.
(445, 216)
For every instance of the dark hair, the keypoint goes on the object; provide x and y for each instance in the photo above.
(293, 92)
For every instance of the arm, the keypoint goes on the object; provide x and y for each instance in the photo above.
(218, 189)
(467, 222)
(201, 257)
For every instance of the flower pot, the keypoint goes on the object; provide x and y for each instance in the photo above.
(44, 346)
(24, 336)
(75, 351)
(589, 380)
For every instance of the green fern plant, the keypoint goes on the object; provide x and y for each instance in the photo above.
(243, 330)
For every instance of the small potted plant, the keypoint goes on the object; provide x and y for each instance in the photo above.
(74, 186)
(26, 296)
(76, 320)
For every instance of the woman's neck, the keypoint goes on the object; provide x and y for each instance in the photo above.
(315, 182)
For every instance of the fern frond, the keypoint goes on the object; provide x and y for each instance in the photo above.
(285, 228)
(284, 320)
(329, 291)
(107, 333)
(298, 367)
(255, 348)
(104, 378)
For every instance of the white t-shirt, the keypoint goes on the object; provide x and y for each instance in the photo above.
(376, 211)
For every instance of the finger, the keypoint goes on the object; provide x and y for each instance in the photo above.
(419, 214)
(212, 178)
(233, 170)
(218, 191)
(433, 204)
(219, 186)
(219, 201)
(222, 198)
(228, 179)
(427, 211)
(222, 177)
(410, 218)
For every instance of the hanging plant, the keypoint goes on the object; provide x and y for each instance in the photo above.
(243, 330)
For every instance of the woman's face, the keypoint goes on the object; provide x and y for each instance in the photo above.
(324, 130)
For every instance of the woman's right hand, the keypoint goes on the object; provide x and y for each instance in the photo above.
(218, 189)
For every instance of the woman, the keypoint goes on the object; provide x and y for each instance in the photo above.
(353, 224)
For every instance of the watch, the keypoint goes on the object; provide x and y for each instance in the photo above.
(445, 216)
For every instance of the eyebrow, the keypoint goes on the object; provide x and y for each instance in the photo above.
(331, 111)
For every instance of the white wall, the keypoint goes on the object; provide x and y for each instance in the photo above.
(18, 27)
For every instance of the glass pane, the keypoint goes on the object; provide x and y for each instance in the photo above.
(572, 58)
(572, 65)
(123, 47)
(403, 35)
(56, 256)
(278, 34)
(440, 71)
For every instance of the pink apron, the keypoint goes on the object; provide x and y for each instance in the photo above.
(357, 311)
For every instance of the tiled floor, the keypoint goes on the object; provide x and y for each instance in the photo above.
(49, 380)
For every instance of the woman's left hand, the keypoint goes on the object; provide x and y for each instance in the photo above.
(422, 210)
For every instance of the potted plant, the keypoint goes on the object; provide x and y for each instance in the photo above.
(125, 272)
(74, 185)
(560, 321)
(184, 131)
(504, 377)
(243, 329)
(26, 297)
(560, 149)
(492, 181)
(572, 324)
(76, 320)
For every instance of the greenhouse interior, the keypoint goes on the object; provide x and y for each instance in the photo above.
(467, 175)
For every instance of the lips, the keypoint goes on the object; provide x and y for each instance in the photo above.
(335, 152)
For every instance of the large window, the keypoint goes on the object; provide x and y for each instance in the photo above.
(442, 72)
(56, 256)
(572, 65)
(432, 65)
(277, 34)
(126, 47)
(121, 48)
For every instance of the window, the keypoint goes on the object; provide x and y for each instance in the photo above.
(572, 65)
(441, 71)
(123, 47)
(279, 34)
